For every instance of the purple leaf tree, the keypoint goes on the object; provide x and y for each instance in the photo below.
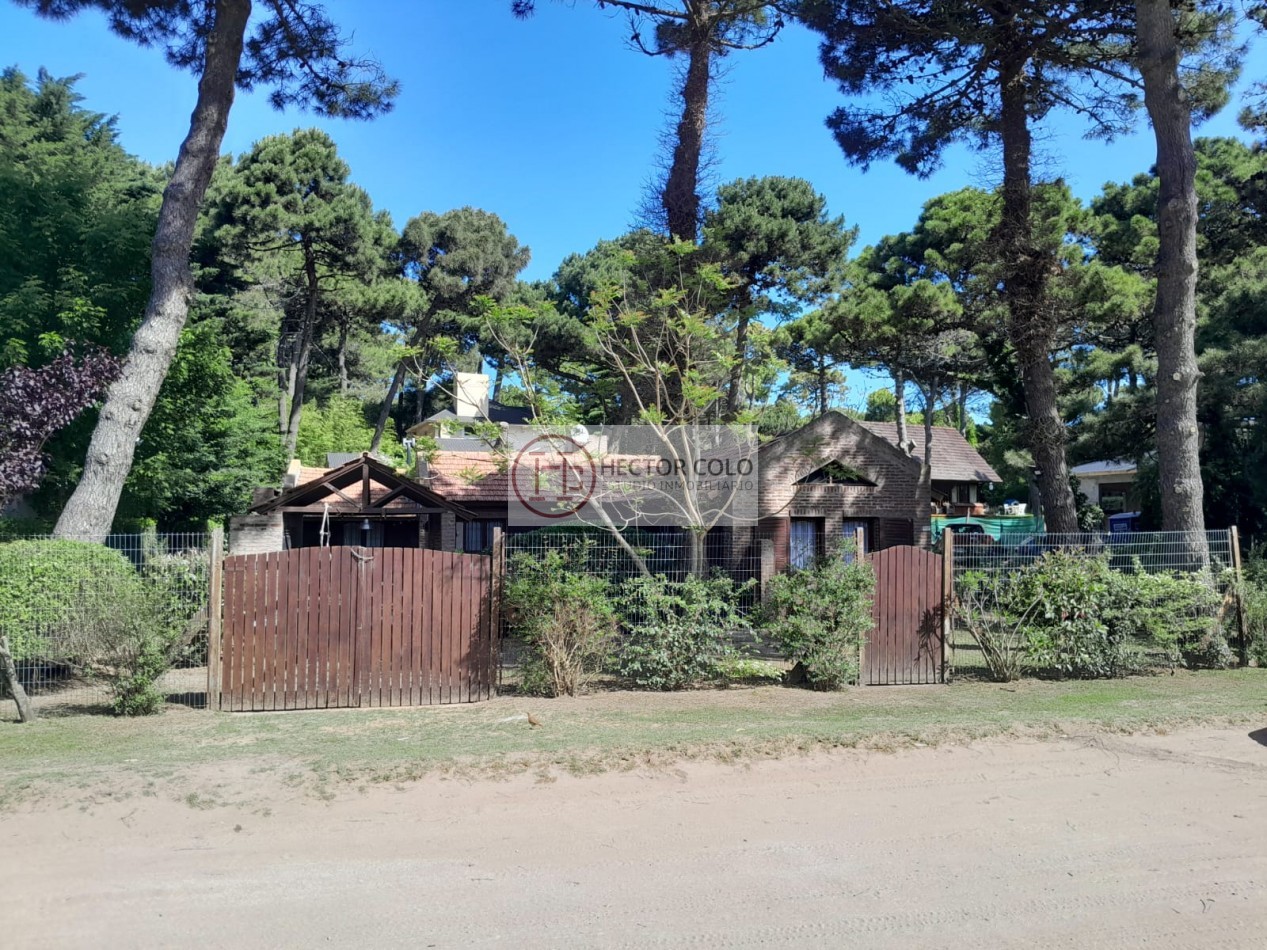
(37, 403)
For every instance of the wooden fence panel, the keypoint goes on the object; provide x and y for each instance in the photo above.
(321, 627)
(905, 645)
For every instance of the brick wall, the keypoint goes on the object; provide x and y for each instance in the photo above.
(896, 503)
(256, 534)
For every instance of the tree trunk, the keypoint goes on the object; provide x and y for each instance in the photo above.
(696, 538)
(1025, 289)
(385, 412)
(26, 712)
(899, 394)
(343, 356)
(303, 358)
(90, 511)
(823, 398)
(735, 389)
(961, 405)
(1175, 310)
(681, 199)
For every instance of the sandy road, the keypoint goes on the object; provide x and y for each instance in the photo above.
(1104, 841)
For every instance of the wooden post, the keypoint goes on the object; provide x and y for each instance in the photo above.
(215, 617)
(495, 606)
(859, 538)
(947, 598)
(1238, 587)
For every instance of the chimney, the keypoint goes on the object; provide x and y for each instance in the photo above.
(470, 398)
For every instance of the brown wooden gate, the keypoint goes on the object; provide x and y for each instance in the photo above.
(313, 628)
(906, 644)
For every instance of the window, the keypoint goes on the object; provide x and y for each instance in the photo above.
(849, 531)
(803, 544)
(477, 538)
(964, 494)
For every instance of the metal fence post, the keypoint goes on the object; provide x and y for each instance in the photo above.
(215, 617)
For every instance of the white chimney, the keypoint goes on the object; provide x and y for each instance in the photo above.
(470, 398)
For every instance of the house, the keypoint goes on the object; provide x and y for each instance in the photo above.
(362, 502)
(832, 478)
(959, 471)
(1110, 484)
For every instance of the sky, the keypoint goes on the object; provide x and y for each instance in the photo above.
(552, 123)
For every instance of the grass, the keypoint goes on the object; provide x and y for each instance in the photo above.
(615, 730)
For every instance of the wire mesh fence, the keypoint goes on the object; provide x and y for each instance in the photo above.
(620, 559)
(1094, 604)
(82, 618)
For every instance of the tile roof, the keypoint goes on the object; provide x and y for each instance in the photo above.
(954, 458)
(467, 476)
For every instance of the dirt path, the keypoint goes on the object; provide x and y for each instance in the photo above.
(1157, 841)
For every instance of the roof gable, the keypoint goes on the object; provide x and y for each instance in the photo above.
(954, 458)
(803, 451)
(359, 472)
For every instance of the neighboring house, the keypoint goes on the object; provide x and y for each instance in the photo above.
(1111, 485)
(456, 428)
(959, 471)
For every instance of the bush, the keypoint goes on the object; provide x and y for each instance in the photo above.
(85, 606)
(677, 634)
(52, 594)
(820, 617)
(1175, 613)
(982, 606)
(1064, 602)
(1075, 615)
(564, 617)
(1254, 603)
(179, 584)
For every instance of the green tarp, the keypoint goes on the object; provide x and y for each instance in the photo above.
(1008, 529)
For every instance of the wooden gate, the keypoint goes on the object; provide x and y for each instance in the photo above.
(313, 628)
(907, 642)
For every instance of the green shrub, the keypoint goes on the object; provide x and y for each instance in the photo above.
(677, 634)
(53, 592)
(564, 617)
(1068, 600)
(1254, 603)
(746, 669)
(1075, 615)
(85, 606)
(983, 606)
(179, 584)
(820, 617)
(1178, 614)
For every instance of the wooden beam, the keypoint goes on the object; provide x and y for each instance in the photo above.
(390, 496)
(1239, 587)
(215, 610)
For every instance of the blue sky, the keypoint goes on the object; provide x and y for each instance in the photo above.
(552, 123)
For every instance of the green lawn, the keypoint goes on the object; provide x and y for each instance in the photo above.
(601, 731)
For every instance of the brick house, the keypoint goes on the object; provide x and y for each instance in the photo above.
(834, 476)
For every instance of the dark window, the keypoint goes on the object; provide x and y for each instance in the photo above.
(477, 536)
